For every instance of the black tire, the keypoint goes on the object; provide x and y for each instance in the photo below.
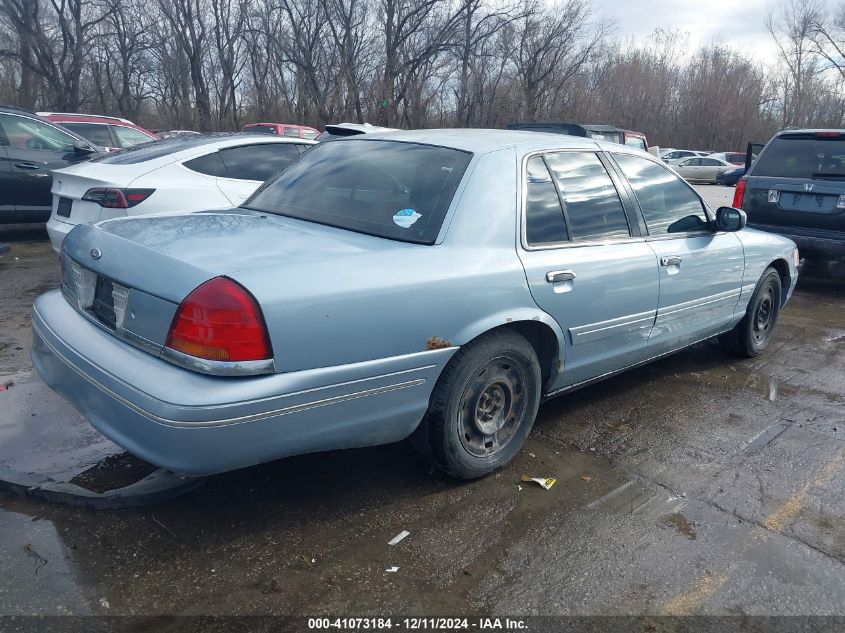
(751, 336)
(483, 406)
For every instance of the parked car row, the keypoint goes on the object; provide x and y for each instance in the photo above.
(203, 320)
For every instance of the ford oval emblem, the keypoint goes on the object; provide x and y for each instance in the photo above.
(95, 253)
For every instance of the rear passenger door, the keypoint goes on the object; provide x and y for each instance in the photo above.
(248, 166)
(586, 263)
(700, 268)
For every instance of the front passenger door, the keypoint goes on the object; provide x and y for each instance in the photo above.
(700, 269)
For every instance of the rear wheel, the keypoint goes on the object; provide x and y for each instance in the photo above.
(483, 406)
(751, 335)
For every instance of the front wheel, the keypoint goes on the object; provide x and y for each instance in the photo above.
(752, 335)
(483, 406)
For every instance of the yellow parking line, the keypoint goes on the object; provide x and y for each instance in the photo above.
(709, 583)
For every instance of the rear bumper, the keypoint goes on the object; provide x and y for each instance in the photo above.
(816, 241)
(58, 231)
(195, 424)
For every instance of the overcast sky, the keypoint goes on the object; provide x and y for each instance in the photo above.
(739, 23)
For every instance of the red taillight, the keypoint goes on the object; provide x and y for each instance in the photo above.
(828, 134)
(739, 193)
(117, 198)
(221, 321)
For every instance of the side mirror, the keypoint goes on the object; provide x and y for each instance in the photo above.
(730, 219)
(81, 147)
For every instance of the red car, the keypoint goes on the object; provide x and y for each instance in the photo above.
(282, 129)
(108, 132)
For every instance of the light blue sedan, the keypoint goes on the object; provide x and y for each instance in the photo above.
(433, 284)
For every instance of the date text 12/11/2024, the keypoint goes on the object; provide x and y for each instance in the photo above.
(417, 624)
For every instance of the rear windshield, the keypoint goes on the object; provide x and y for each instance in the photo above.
(390, 189)
(803, 156)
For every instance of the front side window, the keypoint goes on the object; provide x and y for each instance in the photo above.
(129, 137)
(667, 203)
(544, 223)
(97, 133)
(390, 189)
(258, 162)
(26, 133)
(590, 200)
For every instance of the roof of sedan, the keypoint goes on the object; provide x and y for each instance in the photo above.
(483, 140)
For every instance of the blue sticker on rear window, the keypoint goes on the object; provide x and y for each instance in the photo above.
(406, 218)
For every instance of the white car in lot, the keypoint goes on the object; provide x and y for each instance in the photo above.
(183, 173)
(700, 168)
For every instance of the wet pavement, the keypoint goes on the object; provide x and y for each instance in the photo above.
(699, 484)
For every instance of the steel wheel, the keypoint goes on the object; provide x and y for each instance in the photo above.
(764, 317)
(492, 405)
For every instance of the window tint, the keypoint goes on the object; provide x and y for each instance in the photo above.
(26, 133)
(668, 205)
(593, 208)
(390, 189)
(129, 137)
(802, 156)
(258, 162)
(544, 222)
(97, 133)
(635, 141)
(210, 165)
(709, 162)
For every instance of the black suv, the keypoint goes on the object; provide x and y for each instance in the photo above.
(30, 147)
(796, 187)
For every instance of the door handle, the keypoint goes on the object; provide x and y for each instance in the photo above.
(26, 166)
(673, 260)
(556, 276)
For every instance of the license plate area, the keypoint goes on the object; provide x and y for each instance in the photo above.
(64, 206)
(811, 202)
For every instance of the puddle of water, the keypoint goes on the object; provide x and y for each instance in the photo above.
(680, 523)
(633, 498)
(768, 387)
(35, 569)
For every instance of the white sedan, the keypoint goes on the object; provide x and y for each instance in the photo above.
(183, 173)
(700, 169)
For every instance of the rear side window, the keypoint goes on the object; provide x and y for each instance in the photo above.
(544, 222)
(710, 162)
(95, 132)
(310, 134)
(391, 189)
(210, 165)
(291, 131)
(803, 156)
(667, 203)
(258, 162)
(591, 203)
